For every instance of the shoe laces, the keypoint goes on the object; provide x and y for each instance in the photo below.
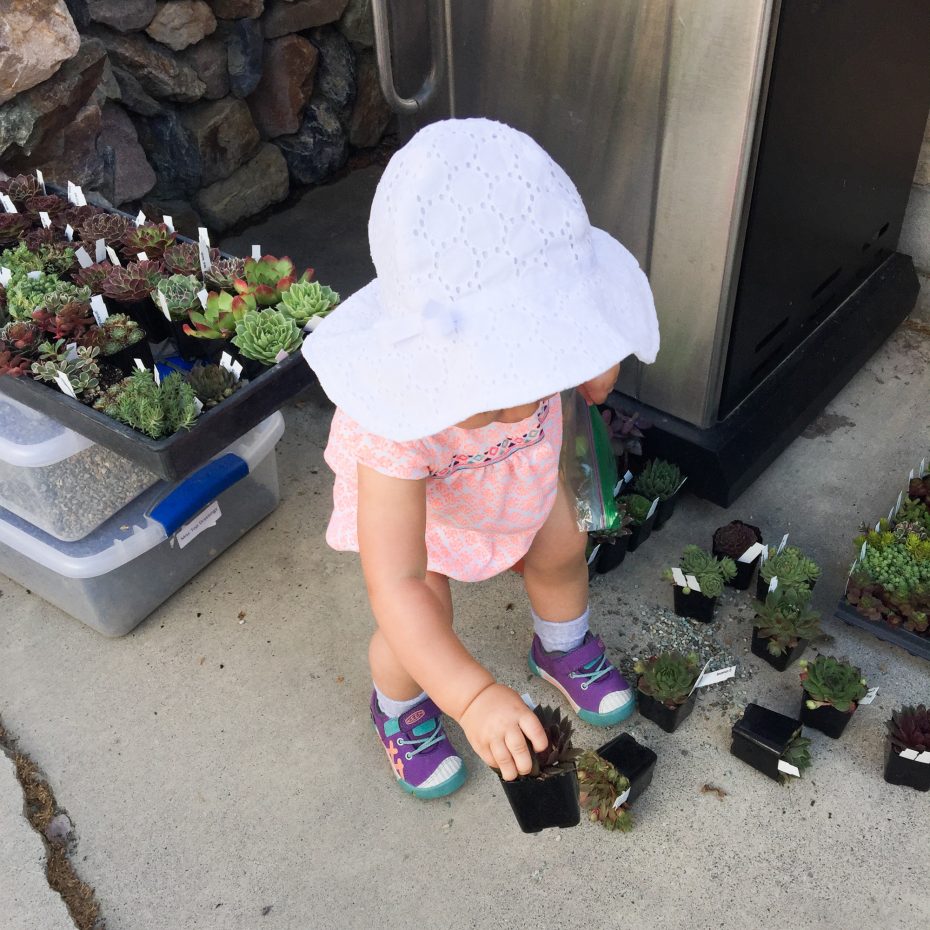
(594, 671)
(436, 735)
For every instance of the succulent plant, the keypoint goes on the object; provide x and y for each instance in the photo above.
(735, 538)
(40, 236)
(261, 336)
(153, 239)
(51, 204)
(919, 489)
(658, 479)
(13, 226)
(75, 217)
(21, 187)
(157, 410)
(792, 568)
(306, 300)
(668, 677)
(63, 318)
(600, 785)
(82, 370)
(785, 618)
(12, 363)
(93, 276)
(107, 226)
(184, 258)
(637, 507)
(132, 284)
(212, 383)
(909, 728)
(25, 294)
(797, 754)
(559, 755)
(118, 332)
(711, 573)
(220, 317)
(223, 273)
(620, 527)
(829, 681)
(180, 293)
(626, 433)
(267, 278)
(22, 337)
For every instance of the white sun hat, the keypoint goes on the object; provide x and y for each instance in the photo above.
(493, 288)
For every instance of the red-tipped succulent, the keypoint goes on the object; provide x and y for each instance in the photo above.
(267, 278)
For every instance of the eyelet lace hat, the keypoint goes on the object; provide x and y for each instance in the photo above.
(493, 288)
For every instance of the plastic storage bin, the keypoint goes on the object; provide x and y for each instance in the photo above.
(57, 479)
(115, 577)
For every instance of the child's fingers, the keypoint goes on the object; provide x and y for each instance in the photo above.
(516, 743)
(534, 731)
(583, 391)
(504, 760)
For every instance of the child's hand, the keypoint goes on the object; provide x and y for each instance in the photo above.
(597, 389)
(498, 724)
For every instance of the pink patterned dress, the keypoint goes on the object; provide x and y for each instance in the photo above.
(488, 490)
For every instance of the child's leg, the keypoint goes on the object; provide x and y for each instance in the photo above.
(564, 653)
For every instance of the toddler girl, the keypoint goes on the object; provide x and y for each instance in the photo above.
(494, 293)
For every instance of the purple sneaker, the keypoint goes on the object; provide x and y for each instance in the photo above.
(597, 691)
(423, 760)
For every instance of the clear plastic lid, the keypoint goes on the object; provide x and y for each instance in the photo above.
(131, 532)
(30, 439)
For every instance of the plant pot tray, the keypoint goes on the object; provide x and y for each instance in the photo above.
(176, 456)
(911, 642)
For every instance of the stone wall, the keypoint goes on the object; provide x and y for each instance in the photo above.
(915, 237)
(208, 107)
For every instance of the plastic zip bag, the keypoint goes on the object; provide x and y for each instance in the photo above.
(588, 465)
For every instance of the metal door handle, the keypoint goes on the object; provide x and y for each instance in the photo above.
(438, 15)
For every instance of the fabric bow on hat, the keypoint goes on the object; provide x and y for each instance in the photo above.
(435, 319)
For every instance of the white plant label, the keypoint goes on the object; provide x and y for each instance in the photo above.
(208, 517)
(100, 309)
(226, 361)
(852, 568)
(169, 222)
(782, 544)
(878, 525)
(680, 486)
(203, 236)
(71, 194)
(5, 275)
(162, 303)
(593, 554)
(100, 250)
(752, 553)
(198, 403)
(256, 252)
(911, 754)
(924, 757)
(64, 382)
(202, 297)
(678, 576)
(700, 676)
(899, 501)
(530, 703)
(71, 351)
(236, 369)
(45, 219)
(139, 364)
(41, 179)
(788, 768)
(142, 256)
(34, 275)
(652, 509)
(111, 254)
(622, 799)
(713, 678)
(8, 204)
(764, 557)
(693, 583)
(79, 194)
(156, 374)
(84, 260)
(318, 318)
(284, 354)
(865, 546)
(870, 695)
(140, 218)
(628, 477)
(923, 467)
(617, 486)
(204, 252)
(910, 476)
(69, 233)
(773, 584)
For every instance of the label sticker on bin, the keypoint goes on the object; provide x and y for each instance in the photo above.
(788, 768)
(207, 518)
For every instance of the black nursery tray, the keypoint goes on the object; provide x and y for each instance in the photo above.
(178, 455)
(911, 642)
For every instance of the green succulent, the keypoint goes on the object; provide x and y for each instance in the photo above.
(658, 479)
(901, 567)
(261, 336)
(21, 259)
(829, 681)
(711, 573)
(638, 507)
(117, 332)
(180, 294)
(24, 295)
(797, 754)
(81, 369)
(306, 300)
(157, 410)
(668, 677)
(792, 568)
(212, 383)
(785, 618)
(600, 784)
(267, 278)
(220, 317)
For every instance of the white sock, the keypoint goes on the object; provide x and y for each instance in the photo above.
(396, 708)
(561, 637)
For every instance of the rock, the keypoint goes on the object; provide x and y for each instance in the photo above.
(335, 76)
(210, 61)
(237, 9)
(127, 173)
(133, 97)
(108, 88)
(279, 101)
(79, 13)
(318, 148)
(153, 66)
(49, 106)
(122, 15)
(224, 135)
(171, 152)
(357, 23)
(245, 50)
(282, 17)
(70, 154)
(256, 185)
(179, 23)
(36, 36)
(371, 113)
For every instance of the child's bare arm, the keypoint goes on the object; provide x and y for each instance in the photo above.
(392, 545)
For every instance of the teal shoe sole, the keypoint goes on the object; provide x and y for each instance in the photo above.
(449, 786)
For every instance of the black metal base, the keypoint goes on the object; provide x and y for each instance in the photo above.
(723, 460)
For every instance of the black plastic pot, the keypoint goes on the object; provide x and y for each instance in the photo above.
(761, 737)
(611, 554)
(633, 760)
(251, 369)
(640, 532)
(147, 315)
(779, 663)
(540, 803)
(665, 510)
(694, 605)
(827, 719)
(744, 570)
(124, 360)
(907, 772)
(669, 718)
(193, 348)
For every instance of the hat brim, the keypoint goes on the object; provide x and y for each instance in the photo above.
(534, 340)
